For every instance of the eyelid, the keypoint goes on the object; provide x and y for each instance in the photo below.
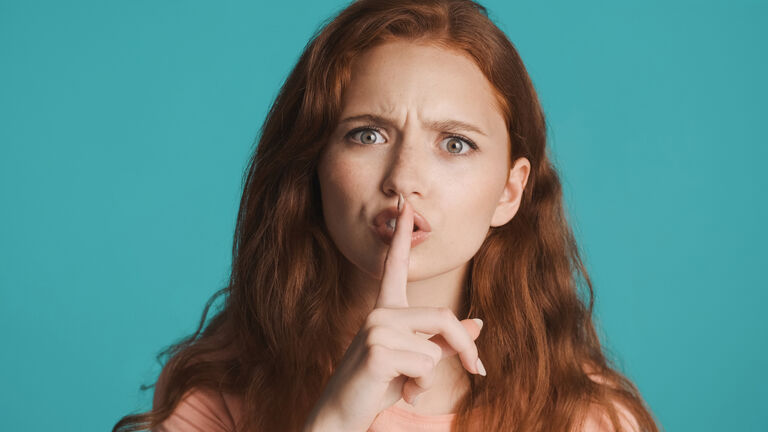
(363, 128)
(466, 140)
(378, 129)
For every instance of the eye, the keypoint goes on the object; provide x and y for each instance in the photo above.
(365, 135)
(457, 145)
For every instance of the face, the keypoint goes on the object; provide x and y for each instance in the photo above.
(422, 121)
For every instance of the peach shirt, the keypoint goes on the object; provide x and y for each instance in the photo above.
(211, 411)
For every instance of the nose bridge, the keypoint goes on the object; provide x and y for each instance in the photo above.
(406, 165)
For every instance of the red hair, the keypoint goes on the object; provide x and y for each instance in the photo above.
(277, 338)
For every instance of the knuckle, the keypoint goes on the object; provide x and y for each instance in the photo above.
(450, 319)
(468, 346)
(427, 364)
(445, 313)
(473, 347)
(374, 336)
(436, 352)
(374, 318)
(377, 356)
(472, 350)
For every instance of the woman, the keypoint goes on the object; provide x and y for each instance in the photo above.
(401, 182)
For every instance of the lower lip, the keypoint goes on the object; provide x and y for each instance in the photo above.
(386, 235)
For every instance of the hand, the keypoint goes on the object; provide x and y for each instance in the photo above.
(387, 360)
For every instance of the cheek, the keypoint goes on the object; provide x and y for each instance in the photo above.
(470, 206)
(340, 186)
(344, 186)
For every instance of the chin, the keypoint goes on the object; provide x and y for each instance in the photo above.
(373, 267)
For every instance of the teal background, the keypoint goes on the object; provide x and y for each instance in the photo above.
(125, 127)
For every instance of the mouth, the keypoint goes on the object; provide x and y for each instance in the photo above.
(384, 226)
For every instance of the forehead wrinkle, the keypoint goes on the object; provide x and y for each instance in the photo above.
(378, 89)
(387, 109)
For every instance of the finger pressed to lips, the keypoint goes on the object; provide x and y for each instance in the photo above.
(395, 278)
(393, 294)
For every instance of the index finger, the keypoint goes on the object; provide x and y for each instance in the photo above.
(395, 277)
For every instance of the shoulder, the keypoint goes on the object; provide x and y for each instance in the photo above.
(200, 409)
(597, 418)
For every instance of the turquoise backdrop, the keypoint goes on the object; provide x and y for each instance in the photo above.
(125, 127)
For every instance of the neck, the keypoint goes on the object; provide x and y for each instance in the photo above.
(447, 289)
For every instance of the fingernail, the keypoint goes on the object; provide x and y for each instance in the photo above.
(480, 367)
(414, 399)
(400, 203)
(478, 321)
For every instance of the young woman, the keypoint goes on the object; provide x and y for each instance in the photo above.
(402, 261)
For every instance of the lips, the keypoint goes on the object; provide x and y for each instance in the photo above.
(421, 228)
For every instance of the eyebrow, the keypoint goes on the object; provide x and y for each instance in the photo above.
(436, 125)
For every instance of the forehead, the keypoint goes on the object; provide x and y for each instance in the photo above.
(436, 82)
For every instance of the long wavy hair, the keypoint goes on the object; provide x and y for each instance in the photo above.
(275, 340)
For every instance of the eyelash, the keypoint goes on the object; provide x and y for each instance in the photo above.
(466, 140)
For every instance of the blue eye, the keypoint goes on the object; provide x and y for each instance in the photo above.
(456, 145)
(367, 135)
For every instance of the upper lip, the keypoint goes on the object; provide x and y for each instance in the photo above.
(391, 213)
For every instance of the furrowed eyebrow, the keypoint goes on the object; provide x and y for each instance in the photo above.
(451, 125)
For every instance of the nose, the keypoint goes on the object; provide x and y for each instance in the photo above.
(404, 173)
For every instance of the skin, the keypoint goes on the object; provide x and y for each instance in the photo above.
(411, 294)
